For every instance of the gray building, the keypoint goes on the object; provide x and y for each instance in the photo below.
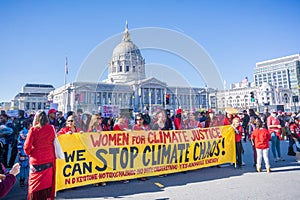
(281, 72)
(33, 97)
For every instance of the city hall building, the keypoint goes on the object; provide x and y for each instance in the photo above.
(127, 87)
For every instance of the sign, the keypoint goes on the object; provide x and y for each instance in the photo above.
(121, 155)
(110, 110)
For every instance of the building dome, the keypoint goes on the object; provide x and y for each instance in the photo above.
(126, 47)
(127, 63)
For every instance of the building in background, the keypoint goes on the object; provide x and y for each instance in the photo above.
(244, 96)
(32, 98)
(281, 72)
(127, 87)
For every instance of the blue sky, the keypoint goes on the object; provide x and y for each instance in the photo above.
(36, 36)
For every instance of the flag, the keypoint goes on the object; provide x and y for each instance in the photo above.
(66, 67)
(245, 80)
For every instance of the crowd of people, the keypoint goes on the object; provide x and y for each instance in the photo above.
(29, 139)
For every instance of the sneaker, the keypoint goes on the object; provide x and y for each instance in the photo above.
(243, 163)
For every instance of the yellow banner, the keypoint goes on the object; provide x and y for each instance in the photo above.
(120, 155)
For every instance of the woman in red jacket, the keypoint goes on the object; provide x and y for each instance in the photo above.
(40, 149)
(70, 126)
(261, 137)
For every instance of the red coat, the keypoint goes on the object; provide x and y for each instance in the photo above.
(177, 123)
(66, 129)
(40, 149)
(39, 145)
(274, 121)
(238, 136)
(261, 138)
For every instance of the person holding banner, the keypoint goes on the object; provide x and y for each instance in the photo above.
(121, 124)
(40, 149)
(160, 123)
(238, 129)
(96, 124)
(140, 123)
(70, 126)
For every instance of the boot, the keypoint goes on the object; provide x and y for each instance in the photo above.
(291, 152)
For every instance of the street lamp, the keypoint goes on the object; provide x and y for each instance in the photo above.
(207, 100)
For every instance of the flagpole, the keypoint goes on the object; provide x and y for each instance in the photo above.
(66, 71)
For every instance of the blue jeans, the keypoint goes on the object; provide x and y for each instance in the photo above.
(275, 146)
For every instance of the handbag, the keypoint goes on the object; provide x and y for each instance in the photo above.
(59, 154)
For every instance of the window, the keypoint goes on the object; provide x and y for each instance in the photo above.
(133, 69)
(127, 68)
(120, 68)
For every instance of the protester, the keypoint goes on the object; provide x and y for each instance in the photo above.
(8, 180)
(230, 114)
(108, 124)
(40, 149)
(192, 122)
(160, 122)
(52, 118)
(147, 118)
(19, 125)
(238, 129)
(274, 128)
(6, 136)
(261, 137)
(294, 133)
(245, 122)
(85, 121)
(61, 120)
(169, 121)
(178, 120)
(251, 128)
(121, 124)
(265, 116)
(23, 158)
(140, 123)
(211, 119)
(70, 126)
(96, 124)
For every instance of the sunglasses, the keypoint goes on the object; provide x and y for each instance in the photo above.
(70, 120)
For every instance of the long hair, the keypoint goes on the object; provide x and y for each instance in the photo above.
(40, 119)
(94, 122)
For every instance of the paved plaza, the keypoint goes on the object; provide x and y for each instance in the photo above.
(207, 183)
